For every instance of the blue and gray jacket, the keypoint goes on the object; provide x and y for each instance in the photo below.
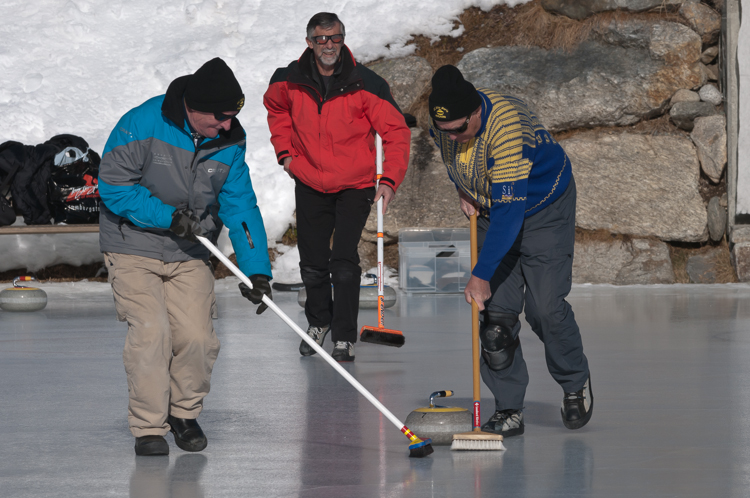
(151, 166)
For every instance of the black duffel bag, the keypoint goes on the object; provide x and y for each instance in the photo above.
(73, 185)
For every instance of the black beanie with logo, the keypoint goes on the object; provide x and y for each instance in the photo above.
(213, 88)
(452, 96)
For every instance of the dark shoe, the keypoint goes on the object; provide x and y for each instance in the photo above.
(188, 435)
(318, 334)
(507, 423)
(577, 407)
(343, 351)
(151, 446)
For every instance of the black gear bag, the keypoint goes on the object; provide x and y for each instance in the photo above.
(73, 185)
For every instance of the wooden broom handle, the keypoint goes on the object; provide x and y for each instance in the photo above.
(475, 327)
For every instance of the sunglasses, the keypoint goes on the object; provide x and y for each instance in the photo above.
(221, 117)
(454, 131)
(323, 39)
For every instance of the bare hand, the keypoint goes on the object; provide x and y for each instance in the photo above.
(386, 193)
(287, 162)
(478, 290)
(468, 205)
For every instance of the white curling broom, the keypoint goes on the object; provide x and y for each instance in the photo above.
(380, 334)
(476, 439)
(418, 449)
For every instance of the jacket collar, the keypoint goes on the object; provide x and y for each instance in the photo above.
(344, 74)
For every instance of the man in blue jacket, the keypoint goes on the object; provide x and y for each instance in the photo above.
(173, 168)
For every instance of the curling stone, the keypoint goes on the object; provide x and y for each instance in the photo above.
(439, 423)
(295, 287)
(20, 298)
(368, 296)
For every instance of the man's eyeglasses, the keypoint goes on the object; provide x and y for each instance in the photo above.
(323, 39)
(221, 117)
(454, 131)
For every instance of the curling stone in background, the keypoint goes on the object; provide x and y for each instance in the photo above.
(20, 298)
(439, 423)
(368, 295)
(282, 287)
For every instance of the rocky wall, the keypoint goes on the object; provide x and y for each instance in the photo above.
(637, 106)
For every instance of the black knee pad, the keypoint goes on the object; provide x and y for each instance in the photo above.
(498, 344)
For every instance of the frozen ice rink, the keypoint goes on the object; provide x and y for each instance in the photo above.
(670, 374)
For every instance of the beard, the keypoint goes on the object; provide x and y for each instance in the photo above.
(328, 59)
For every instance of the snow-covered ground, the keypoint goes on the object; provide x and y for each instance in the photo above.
(76, 66)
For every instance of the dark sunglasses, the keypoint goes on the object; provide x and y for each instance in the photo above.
(221, 117)
(454, 131)
(323, 39)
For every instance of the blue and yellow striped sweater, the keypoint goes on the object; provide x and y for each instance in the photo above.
(513, 168)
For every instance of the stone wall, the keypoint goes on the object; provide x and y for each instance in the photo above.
(637, 106)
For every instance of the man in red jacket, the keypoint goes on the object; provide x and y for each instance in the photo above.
(323, 111)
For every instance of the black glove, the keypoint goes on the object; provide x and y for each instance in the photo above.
(260, 288)
(186, 225)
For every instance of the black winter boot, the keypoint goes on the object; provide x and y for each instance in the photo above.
(188, 435)
(151, 446)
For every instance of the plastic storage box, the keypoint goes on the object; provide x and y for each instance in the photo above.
(434, 259)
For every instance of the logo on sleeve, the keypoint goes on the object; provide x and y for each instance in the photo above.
(507, 193)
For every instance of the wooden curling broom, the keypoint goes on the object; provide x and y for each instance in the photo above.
(418, 448)
(380, 334)
(476, 439)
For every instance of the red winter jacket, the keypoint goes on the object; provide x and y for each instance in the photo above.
(331, 137)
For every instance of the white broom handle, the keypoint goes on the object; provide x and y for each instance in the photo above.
(379, 166)
(323, 354)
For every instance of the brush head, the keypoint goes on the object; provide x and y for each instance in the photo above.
(382, 336)
(421, 448)
(477, 441)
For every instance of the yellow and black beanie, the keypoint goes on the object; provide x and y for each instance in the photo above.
(452, 96)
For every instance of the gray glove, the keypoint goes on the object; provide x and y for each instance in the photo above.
(261, 288)
(186, 225)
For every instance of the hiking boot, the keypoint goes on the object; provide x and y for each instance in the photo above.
(151, 446)
(577, 407)
(188, 435)
(318, 334)
(507, 423)
(343, 351)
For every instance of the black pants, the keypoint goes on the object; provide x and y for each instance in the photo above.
(322, 263)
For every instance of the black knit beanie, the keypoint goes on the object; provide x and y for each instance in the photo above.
(213, 88)
(452, 96)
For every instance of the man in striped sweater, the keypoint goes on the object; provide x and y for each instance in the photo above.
(509, 169)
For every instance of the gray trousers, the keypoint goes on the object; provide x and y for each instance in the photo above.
(535, 277)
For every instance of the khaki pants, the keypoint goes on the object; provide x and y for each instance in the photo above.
(171, 345)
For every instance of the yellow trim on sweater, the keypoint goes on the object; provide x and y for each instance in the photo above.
(509, 127)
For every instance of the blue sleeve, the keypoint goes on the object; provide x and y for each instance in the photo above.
(136, 204)
(240, 213)
(121, 170)
(506, 218)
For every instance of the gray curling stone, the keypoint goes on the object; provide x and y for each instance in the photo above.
(19, 298)
(368, 296)
(439, 423)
